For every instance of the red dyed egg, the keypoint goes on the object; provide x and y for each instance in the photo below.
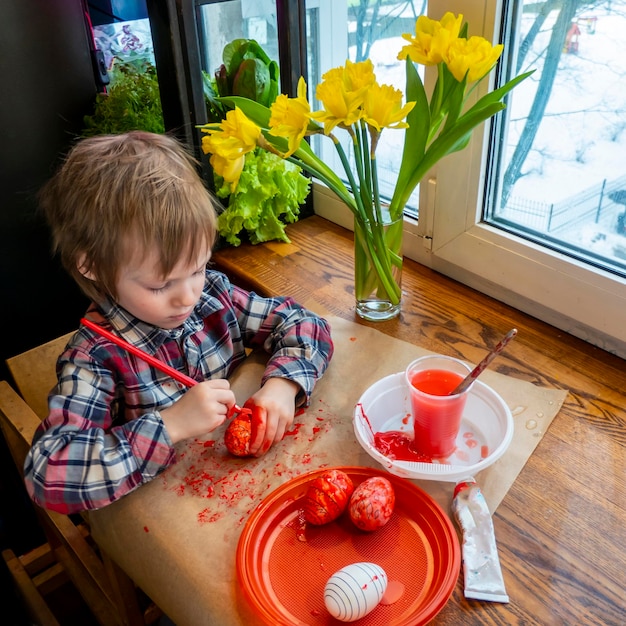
(327, 497)
(238, 434)
(371, 504)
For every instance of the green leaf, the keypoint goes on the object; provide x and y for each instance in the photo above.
(498, 94)
(450, 141)
(247, 71)
(416, 134)
(268, 196)
(454, 137)
(215, 109)
(274, 82)
(232, 54)
(258, 113)
(455, 98)
(253, 50)
(252, 80)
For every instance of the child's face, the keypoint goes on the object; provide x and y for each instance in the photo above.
(163, 302)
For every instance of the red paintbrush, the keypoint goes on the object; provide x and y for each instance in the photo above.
(478, 370)
(163, 367)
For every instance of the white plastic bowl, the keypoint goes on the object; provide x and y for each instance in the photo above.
(485, 434)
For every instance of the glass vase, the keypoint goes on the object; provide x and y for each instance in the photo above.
(378, 268)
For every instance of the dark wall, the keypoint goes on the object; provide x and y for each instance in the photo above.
(48, 86)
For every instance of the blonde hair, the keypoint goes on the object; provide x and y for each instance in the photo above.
(114, 188)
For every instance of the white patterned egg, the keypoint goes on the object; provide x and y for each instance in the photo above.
(354, 591)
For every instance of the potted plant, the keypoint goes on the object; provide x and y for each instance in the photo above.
(131, 103)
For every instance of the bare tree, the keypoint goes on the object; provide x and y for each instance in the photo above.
(369, 27)
(544, 89)
(552, 55)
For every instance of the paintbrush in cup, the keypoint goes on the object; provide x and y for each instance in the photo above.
(478, 370)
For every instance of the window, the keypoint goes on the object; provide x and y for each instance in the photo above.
(561, 182)
(222, 22)
(374, 31)
(535, 219)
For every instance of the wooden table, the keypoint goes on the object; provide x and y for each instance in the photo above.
(561, 528)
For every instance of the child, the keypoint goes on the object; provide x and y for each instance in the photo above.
(134, 225)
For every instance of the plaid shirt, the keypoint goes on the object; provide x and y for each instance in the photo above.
(104, 435)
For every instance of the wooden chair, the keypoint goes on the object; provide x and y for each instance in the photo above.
(34, 373)
(70, 553)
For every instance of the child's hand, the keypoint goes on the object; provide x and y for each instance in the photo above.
(201, 410)
(277, 401)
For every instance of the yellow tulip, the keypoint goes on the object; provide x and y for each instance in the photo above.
(290, 118)
(382, 107)
(432, 39)
(474, 56)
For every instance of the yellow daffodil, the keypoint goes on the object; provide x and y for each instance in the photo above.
(432, 39)
(474, 56)
(354, 76)
(382, 107)
(341, 92)
(358, 76)
(341, 107)
(228, 168)
(228, 143)
(290, 117)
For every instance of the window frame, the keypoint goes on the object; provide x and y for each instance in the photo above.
(449, 237)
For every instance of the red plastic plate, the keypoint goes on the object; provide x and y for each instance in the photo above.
(283, 568)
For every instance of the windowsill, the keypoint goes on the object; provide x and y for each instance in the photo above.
(317, 267)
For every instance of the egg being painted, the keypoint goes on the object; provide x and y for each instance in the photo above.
(354, 591)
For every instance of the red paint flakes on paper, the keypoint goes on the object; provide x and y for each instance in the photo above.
(294, 431)
(232, 488)
(206, 516)
(197, 481)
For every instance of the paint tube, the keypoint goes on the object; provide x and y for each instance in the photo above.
(481, 565)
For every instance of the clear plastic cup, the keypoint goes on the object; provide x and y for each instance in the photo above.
(436, 414)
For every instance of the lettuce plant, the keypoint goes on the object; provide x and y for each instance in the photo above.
(270, 189)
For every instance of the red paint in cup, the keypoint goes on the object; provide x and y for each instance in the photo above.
(436, 414)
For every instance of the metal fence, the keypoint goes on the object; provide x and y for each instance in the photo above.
(600, 204)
